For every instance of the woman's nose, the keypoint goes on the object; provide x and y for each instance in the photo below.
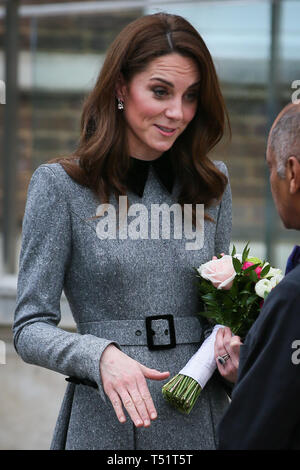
(174, 109)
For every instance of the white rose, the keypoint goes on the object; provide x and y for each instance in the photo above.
(276, 279)
(275, 272)
(263, 286)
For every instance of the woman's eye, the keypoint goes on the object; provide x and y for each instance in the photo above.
(159, 92)
(192, 96)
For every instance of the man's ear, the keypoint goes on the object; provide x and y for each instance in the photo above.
(293, 173)
(121, 88)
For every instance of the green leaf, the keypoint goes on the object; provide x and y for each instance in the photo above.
(249, 286)
(207, 314)
(210, 302)
(233, 251)
(233, 292)
(251, 299)
(210, 297)
(227, 302)
(253, 276)
(245, 292)
(265, 270)
(237, 265)
(245, 253)
(205, 286)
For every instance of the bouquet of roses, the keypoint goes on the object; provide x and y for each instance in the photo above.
(232, 289)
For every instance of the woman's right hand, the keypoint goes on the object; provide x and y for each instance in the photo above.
(124, 382)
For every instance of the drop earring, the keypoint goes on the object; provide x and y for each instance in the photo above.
(120, 104)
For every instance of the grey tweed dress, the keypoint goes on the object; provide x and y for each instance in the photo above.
(112, 285)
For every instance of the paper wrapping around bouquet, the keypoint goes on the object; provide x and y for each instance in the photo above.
(202, 364)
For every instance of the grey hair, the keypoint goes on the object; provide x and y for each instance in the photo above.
(284, 139)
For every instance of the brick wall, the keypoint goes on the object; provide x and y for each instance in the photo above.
(49, 122)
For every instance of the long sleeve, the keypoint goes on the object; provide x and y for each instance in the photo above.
(224, 222)
(263, 413)
(45, 253)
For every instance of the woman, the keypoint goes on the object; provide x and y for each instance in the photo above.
(147, 127)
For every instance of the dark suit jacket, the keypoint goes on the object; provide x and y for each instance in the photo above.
(265, 408)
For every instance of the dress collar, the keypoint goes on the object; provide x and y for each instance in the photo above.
(139, 169)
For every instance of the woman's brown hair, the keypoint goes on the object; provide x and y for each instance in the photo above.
(102, 152)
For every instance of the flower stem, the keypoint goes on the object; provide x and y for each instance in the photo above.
(182, 392)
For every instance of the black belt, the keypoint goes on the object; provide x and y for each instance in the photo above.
(158, 332)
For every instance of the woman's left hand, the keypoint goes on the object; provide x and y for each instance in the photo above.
(225, 343)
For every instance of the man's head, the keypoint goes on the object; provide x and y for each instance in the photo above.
(283, 159)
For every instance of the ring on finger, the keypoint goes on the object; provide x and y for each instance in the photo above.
(222, 359)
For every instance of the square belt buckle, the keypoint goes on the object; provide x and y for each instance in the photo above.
(150, 332)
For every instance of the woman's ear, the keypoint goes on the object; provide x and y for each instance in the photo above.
(293, 173)
(121, 88)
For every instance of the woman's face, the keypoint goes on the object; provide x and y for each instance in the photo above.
(159, 103)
